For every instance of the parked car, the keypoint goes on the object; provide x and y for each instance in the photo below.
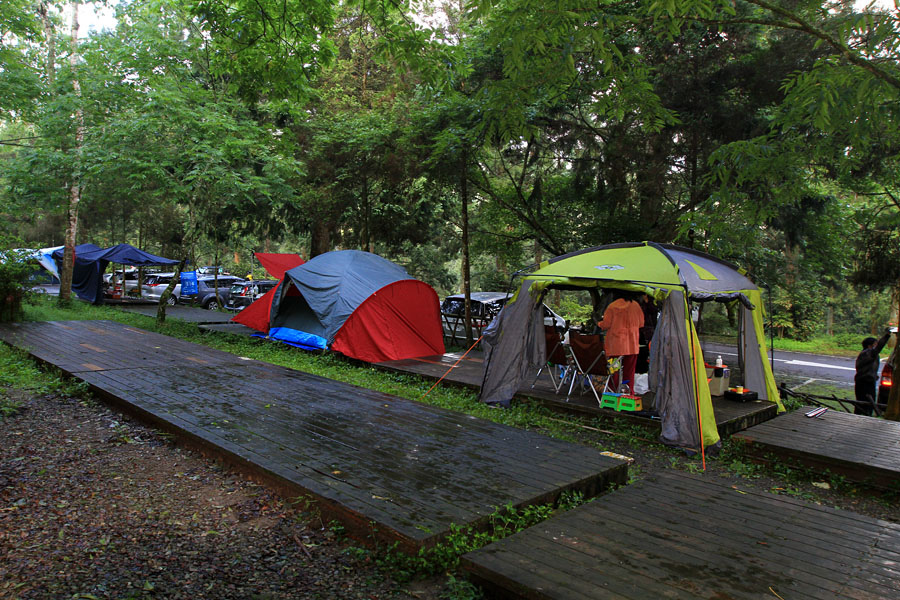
(206, 290)
(211, 270)
(113, 283)
(484, 307)
(155, 285)
(243, 293)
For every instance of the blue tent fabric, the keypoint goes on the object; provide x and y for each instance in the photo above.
(334, 284)
(91, 261)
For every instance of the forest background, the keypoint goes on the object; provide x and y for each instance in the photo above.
(469, 137)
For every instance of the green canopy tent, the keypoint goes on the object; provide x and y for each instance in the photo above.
(675, 277)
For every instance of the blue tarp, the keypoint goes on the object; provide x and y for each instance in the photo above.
(301, 339)
(91, 261)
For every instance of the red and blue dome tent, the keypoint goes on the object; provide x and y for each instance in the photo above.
(355, 303)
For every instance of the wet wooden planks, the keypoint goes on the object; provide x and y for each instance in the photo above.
(676, 535)
(381, 463)
(731, 417)
(864, 449)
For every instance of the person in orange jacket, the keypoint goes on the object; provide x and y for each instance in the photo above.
(622, 322)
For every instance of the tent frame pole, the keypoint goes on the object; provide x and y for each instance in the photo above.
(687, 304)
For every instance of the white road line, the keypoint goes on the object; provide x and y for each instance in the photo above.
(803, 363)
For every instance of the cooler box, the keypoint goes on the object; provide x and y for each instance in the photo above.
(742, 395)
(718, 380)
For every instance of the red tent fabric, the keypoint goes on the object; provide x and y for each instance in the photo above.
(401, 320)
(277, 264)
(256, 316)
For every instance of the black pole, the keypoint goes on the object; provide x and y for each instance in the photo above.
(771, 329)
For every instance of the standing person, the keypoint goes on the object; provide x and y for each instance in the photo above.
(622, 320)
(867, 373)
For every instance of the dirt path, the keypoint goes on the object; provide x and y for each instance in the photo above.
(94, 505)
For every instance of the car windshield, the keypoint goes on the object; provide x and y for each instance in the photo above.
(237, 289)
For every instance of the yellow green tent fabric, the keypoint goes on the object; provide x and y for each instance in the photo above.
(640, 264)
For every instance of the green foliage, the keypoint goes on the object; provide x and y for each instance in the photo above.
(263, 54)
(460, 589)
(575, 308)
(20, 30)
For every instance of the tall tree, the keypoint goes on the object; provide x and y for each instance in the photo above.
(75, 181)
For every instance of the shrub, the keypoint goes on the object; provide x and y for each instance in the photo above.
(15, 268)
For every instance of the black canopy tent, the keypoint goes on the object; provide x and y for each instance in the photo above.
(91, 261)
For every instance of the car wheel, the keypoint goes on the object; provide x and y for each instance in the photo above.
(211, 305)
(172, 301)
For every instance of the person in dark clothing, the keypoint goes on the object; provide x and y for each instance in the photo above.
(867, 364)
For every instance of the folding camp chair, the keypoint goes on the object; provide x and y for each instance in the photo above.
(557, 365)
(590, 361)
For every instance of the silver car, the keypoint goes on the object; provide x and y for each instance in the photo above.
(206, 290)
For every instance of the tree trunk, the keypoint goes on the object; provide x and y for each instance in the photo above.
(466, 274)
(65, 280)
(167, 293)
(320, 241)
(49, 34)
(367, 215)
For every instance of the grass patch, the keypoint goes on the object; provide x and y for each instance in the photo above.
(19, 372)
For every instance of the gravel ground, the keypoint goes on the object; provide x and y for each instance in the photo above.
(94, 505)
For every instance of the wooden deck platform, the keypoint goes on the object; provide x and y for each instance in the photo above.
(731, 417)
(677, 535)
(385, 466)
(863, 449)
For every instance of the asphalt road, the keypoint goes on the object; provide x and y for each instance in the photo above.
(797, 367)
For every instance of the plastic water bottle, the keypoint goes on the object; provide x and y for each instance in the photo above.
(719, 361)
